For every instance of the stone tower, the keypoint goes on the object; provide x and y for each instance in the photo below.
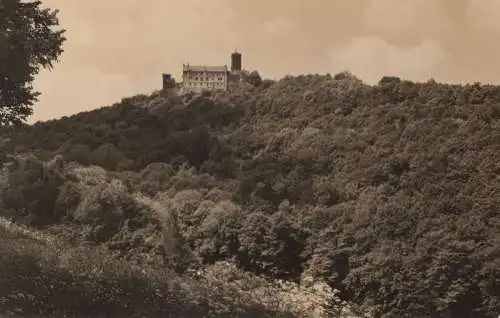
(236, 61)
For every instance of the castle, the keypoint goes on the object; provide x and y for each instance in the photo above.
(197, 78)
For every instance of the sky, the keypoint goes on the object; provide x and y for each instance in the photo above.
(120, 48)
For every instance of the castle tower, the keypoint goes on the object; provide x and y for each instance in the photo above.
(168, 81)
(236, 61)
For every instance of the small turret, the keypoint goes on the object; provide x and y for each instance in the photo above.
(168, 81)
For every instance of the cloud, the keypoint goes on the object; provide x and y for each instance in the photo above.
(276, 28)
(371, 58)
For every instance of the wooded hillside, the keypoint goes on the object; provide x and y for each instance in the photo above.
(390, 193)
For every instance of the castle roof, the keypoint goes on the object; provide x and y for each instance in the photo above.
(202, 68)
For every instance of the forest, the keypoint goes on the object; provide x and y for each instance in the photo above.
(387, 193)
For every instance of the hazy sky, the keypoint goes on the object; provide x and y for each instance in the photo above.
(119, 48)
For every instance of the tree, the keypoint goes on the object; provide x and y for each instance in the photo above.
(29, 41)
(254, 78)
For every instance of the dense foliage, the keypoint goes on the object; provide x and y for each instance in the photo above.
(388, 192)
(41, 276)
(28, 42)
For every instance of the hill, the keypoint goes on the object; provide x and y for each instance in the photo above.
(389, 193)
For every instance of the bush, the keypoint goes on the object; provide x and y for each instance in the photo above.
(40, 276)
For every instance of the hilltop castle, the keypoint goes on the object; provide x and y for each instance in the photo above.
(197, 78)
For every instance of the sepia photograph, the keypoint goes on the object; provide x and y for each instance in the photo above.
(250, 158)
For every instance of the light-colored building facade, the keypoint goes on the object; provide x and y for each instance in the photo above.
(199, 78)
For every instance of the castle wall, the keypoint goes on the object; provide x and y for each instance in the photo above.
(199, 78)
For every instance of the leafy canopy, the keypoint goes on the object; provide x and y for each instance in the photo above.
(29, 41)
